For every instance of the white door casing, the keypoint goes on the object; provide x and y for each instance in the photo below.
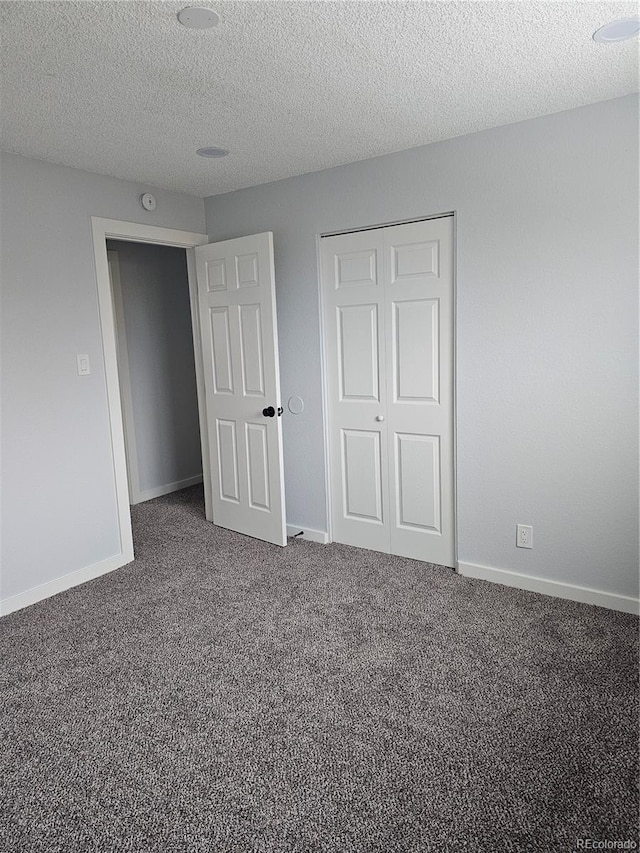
(236, 295)
(102, 230)
(124, 375)
(388, 306)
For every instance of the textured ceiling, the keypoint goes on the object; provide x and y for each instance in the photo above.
(289, 87)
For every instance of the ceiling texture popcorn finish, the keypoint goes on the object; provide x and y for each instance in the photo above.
(121, 88)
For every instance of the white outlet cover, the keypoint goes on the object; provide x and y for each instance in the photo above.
(524, 536)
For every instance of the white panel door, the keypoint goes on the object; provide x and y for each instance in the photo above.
(418, 262)
(388, 297)
(354, 303)
(236, 296)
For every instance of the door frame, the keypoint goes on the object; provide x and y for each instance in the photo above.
(325, 373)
(133, 232)
(124, 375)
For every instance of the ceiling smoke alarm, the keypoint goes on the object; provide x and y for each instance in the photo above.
(148, 201)
(212, 151)
(198, 18)
(620, 30)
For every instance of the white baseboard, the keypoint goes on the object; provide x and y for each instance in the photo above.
(309, 533)
(159, 491)
(46, 590)
(558, 589)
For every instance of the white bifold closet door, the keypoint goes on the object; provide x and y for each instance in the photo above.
(388, 303)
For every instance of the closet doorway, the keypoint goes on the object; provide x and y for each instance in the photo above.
(388, 314)
(104, 230)
(156, 367)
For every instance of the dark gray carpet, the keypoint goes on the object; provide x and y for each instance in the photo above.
(220, 695)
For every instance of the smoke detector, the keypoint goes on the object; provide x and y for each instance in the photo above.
(198, 18)
(620, 30)
(212, 151)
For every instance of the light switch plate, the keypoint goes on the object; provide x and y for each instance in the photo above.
(84, 366)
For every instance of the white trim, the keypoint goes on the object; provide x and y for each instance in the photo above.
(309, 533)
(454, 380)
(103, 230)
(46, 590)
(557, 589)
(159, 491)
(108, 333)
(200, 385)
(124, 376)
(325, 394)
(136, 494)
(136, 232)
(388, 224)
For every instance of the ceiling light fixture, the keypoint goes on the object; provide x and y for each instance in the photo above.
(620, 30)
(212, 151)
(198, 18)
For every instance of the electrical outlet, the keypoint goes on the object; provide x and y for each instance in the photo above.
(524, 536)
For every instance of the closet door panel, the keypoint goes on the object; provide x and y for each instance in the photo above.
(351, 273)
(418, 260)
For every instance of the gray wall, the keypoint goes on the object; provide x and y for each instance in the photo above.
(157, 318)
(58, 494)
(547, 328)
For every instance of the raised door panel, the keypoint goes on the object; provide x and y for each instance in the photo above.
(414, 261)
(358, 353)
(355, 269)
(362, 476)
(259, 486)
(247, 270)
(417, 474)
(216, 271)
(251, 350)
(416, 356)
(227, 454)
(221, 351)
